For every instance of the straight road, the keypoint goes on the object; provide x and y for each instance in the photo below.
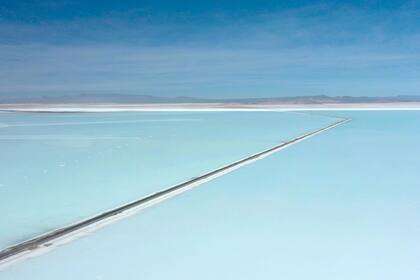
(47, 241)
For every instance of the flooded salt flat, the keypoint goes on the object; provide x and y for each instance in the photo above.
(341, 205)
(60, 168)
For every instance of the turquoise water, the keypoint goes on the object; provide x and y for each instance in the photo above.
(56, 169)
(341, 205)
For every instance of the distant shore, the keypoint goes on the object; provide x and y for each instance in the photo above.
(106, 107)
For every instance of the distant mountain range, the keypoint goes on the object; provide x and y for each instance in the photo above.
(148, 99)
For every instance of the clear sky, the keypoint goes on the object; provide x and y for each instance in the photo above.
(209, 48)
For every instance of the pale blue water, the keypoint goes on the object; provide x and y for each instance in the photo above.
(341, 205)
(56, 169)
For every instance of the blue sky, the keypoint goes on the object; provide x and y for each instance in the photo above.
(209, 48)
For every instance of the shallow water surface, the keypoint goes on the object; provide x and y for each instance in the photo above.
(342, 205)
(56, 169)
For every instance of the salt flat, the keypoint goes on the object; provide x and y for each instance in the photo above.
(341, 205)
(57, 169)
(208, 107)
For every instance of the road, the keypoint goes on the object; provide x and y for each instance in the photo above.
(49, 240)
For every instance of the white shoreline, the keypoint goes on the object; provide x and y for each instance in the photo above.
(116, 110)
(205, 107)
